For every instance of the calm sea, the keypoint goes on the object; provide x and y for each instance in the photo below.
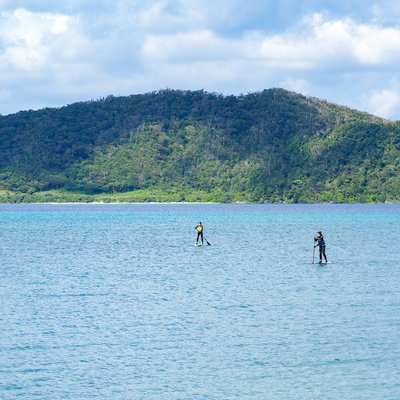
(116, 302)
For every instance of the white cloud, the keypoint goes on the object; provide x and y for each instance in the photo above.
(187, 47)
(158, 17)
(317, 43)
(296, 85)
(129, 47)
(327, 44)
(384, 102)
(27, 38)
(378, 46)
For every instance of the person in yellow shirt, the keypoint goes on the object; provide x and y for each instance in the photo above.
(199, 229)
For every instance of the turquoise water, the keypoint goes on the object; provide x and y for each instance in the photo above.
(116, 302)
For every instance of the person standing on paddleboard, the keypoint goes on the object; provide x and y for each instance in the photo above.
(319, 240)
(199, 229)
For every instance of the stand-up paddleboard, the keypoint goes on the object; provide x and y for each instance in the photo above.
(199, 245)
(324, 263)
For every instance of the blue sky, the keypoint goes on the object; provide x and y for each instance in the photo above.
(54, 53)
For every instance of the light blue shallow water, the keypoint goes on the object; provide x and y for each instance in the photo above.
(116, 302)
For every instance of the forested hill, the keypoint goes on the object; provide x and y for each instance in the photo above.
(173, 145)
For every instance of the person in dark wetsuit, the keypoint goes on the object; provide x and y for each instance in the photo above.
(199, 229)
(319, 240)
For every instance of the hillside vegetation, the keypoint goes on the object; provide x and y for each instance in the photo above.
(196, 146)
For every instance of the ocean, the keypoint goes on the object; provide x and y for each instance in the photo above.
(107, 301)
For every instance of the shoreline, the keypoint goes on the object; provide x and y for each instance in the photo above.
(158, 196)
(187, 202)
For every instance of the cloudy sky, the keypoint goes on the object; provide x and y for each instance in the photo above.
(56, 52)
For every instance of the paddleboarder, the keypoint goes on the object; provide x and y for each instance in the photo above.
(199, 229)
(319, 240)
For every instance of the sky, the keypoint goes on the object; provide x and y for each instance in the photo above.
(54, 53)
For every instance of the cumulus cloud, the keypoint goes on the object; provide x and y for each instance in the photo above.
(188, 47)
(385, 102)
(42, 55)
(73, 51)
(317, 43)
(296, 85)
(25, 37)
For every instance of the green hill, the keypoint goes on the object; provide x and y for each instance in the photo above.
(196, 146)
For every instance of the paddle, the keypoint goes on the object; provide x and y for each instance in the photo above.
(208, 243)
(313, 253)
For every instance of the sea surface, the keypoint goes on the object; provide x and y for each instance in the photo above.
(116, 302)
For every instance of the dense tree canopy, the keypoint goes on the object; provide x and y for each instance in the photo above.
(192, 145)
